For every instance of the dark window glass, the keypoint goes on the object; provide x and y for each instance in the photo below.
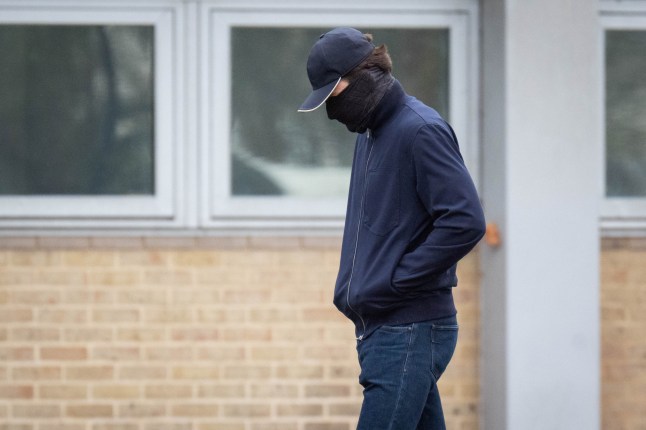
(625, 113)
(278, 151)
(76, 110)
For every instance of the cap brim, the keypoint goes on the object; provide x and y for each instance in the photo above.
(317, 97)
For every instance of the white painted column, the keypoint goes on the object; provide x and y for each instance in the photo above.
(541, 169)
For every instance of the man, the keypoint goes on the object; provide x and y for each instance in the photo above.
(413, 213)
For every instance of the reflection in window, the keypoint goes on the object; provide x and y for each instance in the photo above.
(277, 151)
(76, 110)
(625, 113)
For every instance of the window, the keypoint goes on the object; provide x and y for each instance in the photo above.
(624, 44)
(269, 165)
(167, 115)
(88, 93)
(79, 99)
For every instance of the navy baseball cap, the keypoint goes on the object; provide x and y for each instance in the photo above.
(334, 55)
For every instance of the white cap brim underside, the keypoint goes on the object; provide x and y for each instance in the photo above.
(325, 99)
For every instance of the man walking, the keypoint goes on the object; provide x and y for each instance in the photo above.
(413, 213)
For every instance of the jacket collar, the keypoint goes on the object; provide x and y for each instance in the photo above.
(388, 105)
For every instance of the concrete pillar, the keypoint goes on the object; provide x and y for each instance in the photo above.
(541, 92)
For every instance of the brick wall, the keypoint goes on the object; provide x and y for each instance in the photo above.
(623, 334)
(191, 334)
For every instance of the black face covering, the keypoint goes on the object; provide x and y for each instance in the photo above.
(355, 105)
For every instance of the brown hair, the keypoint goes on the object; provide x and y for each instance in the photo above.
(379, 58)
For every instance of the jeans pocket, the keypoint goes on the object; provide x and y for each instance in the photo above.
(444, 339)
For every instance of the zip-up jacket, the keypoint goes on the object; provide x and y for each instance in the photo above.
(413, 212)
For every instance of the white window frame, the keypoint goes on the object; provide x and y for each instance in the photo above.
(619, 216)
(160, 209)
(221, 210)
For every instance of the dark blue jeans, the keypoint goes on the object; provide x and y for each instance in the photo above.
(400, 366)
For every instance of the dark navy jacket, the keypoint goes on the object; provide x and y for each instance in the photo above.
(413, 212)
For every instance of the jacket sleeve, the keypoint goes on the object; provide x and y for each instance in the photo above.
(445, 188)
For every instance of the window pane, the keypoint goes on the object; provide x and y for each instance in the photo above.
(76, 110)
(278, 151)
(626, 113)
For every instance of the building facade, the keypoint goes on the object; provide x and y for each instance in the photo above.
(170, 226)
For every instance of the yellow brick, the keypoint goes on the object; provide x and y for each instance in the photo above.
(239, 296)
(326, 353)
(87, 335)
(142, 296)
(62, 391)
(89, 411)
(195, 410)
(62, 316)
(299, 372)
(142, 372)
(89, 373)
(299, 410)
(87, 258)
(36, 258)
(16, 353)
(117, 315)
(16, 391)
(221, 390)
(129, 353)
(210, 315)
(36, 373)
(251, 331)
(196, 258)
(192, 296)
(141, 410)
(60, 277)
(272, 391)
(117, 426)
(143, 335)
(221, 353)
(168, 315)
(114, 277)
(222, 426)
(345, 409)
(327, 390)
(168, 391)
(327, 426)
(274, 353)
(293, 333)
(36, 410)
(87, 296)
(167, 277)
(245, 334)
(195, 372)
(323, 313)
(298, 296)
(275, 426)
(143, 258)
(35, 334)
(34, 297)
(63, 353)
(18, 277)
(343, 372)
(246, 410)
(195, 334)
(176, 353)
(273, 315)
(247, 372)
(116, 392)
(168, 426)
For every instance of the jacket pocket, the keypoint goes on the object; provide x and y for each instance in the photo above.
(382, 201)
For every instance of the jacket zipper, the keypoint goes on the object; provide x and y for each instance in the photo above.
(356, 243)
